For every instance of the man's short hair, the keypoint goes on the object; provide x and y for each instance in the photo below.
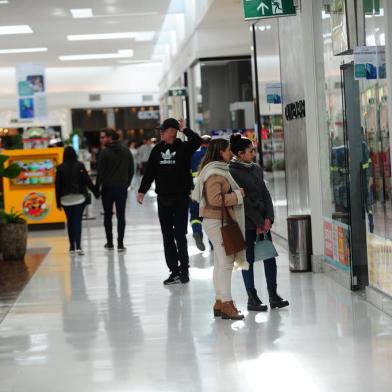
(111, 133)
(206, 139)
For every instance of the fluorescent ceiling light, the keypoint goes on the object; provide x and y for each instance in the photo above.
(26, 50)
(121, 54)
(4, 2)
(18, 29)
(82, 13)
(138, 36)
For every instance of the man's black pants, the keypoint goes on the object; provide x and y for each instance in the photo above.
(114, 195)
(173, 217)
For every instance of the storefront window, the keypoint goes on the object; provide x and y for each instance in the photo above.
(373, 158)
(375, 126)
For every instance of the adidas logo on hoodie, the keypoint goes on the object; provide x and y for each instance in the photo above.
(168, 158)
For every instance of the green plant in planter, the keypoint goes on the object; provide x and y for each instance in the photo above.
(13, 227)
(12, 217)
(13, 235)
(11, 171)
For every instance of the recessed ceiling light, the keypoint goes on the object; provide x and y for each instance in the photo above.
(121, 54)
(4, 2)
(138, 36)
(91, 37)
(82, 13)
(25, 50)
(17, 29)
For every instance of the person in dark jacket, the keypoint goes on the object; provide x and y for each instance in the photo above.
(114, 176)
(169, 166)
(259, 217)
(72, 182)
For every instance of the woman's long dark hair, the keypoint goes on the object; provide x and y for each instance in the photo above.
(69, 156)
(213, 153)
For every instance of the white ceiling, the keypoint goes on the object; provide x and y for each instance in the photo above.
(51, 22)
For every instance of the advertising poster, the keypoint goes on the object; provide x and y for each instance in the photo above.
(31, 87)
(369, 62)
(273, 91)
(328, 240)
(337, 244)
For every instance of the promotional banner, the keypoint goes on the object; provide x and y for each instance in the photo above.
(273, 91)
(336, 244)
(31, 87)
(369, 62)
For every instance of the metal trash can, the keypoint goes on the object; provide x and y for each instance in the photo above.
(300, 243)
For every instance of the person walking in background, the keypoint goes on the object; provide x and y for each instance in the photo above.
(259, 217)
(195, 218)
(114, 176)
(169, 166)
(144, 153)
(71, 185)
(215, 189)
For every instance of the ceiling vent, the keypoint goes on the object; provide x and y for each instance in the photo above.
(94, 97)
(147, 98)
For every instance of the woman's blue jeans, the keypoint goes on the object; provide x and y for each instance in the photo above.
(269, 265)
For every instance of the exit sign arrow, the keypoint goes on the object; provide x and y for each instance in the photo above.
(263, 7)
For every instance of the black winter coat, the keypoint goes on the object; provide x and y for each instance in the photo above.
(257, 201)
(73, 178)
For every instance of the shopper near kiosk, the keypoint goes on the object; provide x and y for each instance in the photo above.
(259, 218)
(114, 176)
(169, 165)
(72, 182)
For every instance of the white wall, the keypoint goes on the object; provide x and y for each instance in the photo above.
(69, 88)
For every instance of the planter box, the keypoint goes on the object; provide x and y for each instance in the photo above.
(13, 240)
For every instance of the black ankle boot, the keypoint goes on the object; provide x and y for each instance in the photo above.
(254, 302)
(276, 301)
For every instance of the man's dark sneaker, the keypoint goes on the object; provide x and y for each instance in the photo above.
(198, 236)
(184, 278)
(174, 278)
(121, 248)
(109, 247)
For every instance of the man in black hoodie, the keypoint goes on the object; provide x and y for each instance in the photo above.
(115, 172)
(169, 166)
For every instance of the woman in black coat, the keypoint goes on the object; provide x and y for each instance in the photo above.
(72, 181)
(259, 217)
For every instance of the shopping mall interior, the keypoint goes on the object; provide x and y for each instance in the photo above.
(306, 84)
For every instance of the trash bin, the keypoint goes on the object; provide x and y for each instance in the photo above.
(300, 243)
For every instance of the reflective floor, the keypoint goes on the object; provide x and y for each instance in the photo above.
(106, 323)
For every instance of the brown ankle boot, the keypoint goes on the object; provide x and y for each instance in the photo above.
(217, 308)
(230, 312)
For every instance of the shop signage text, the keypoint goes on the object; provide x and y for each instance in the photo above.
(295, 110)
(259, 9)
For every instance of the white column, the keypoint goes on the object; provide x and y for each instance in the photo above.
(317, 146)
(388, 50)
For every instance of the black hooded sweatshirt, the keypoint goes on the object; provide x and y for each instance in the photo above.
(115, 166)
(169, 166)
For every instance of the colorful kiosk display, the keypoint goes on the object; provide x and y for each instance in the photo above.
(33, 192)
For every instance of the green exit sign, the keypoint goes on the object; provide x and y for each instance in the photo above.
(178, 92)
(259, 9)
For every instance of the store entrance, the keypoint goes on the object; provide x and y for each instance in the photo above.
(357, 179)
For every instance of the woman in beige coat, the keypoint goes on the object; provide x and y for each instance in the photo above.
(214, 183)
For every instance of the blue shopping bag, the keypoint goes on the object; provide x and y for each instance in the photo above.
(264, 248)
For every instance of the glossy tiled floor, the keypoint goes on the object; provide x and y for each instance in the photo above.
(106, 323)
